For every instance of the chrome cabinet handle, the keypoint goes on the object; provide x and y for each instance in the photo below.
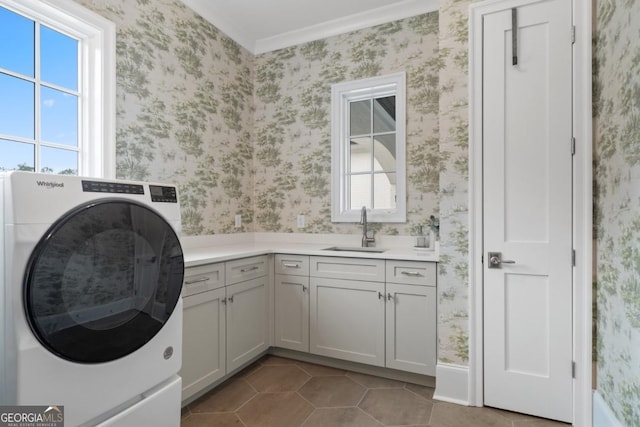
(389, 296)
(230, 299)
(246, 270)
(223, 301)
(290, 265)
(304, 288)
(410, 273)
(191, 282)
(380, 295)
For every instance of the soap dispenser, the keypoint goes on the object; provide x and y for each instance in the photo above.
(421, 239)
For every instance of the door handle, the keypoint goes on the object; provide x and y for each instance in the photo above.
(496, 261)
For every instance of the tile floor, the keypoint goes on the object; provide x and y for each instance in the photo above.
(279, 392)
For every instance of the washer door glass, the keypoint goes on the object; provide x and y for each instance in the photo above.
(103, 281)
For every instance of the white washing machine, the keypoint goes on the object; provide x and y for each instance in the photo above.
(90, 307)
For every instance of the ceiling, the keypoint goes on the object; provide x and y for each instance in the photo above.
(265, 25)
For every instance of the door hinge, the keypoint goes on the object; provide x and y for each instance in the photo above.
(573, 34)
(573, 146)
(573, 257)
(573, 369)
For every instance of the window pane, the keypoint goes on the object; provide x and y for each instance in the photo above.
(58, 58)
(16, 156)
(360, 154)
(360, 191)
(59, 117)
(16, 107)
(56, 160)
(384, 114)
(384, 149)
(360, 117)
(384, 187)
(16, 43)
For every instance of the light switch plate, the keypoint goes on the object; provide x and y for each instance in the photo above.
(238, 221)
(300, 221)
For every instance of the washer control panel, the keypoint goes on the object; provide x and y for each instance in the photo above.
(160, 193)
(111, 187)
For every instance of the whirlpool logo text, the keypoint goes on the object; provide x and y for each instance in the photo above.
(50, 184)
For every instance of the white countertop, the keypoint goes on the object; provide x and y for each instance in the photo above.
(217, 248)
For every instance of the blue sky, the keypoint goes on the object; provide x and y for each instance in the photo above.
(58, 58)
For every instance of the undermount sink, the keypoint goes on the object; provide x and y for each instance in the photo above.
(354, 249)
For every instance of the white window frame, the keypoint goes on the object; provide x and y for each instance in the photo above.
(97, 59)
(341, 95)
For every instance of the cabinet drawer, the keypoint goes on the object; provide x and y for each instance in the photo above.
(348, 268)
(411, 272)
(296, 265)
(246, 268)
(203, 278)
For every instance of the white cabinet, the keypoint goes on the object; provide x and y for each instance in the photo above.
(248, 296)
(347, 316)
(204, 326)
(411, 340)
(247, 321)
(292, 302)
(411, 328)
(347, 320)
(384, 315)
(226, 320)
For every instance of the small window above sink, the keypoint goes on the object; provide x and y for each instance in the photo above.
(355, 249)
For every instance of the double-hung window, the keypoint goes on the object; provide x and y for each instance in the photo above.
(57, 82)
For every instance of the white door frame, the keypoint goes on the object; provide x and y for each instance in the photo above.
(582, 203)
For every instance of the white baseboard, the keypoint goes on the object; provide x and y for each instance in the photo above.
(602, 414)
(452, 384)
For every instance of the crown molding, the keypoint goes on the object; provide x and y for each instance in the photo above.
(222, 23)
(346, 24)
(358, 21)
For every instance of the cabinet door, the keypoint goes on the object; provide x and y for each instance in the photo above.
(292, 312)
(247, 321)
(411, 328)
(347, 320)
(203, 341)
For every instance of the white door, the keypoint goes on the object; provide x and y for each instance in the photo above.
(527, 191)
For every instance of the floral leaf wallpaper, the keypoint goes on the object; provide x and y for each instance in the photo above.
(184, 110)
(292, 122)
(453, 277)
(617, 205)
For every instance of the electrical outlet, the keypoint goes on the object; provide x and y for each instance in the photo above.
(238, 221)
(300, 221)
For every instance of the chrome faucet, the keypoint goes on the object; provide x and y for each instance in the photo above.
(365, 233)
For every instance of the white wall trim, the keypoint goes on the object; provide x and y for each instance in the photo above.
(603, 415)
(213, 14)
(582, 203)
(334, 27)
(583, 214)
(98, 77)
(346, 24)
(452, 383)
